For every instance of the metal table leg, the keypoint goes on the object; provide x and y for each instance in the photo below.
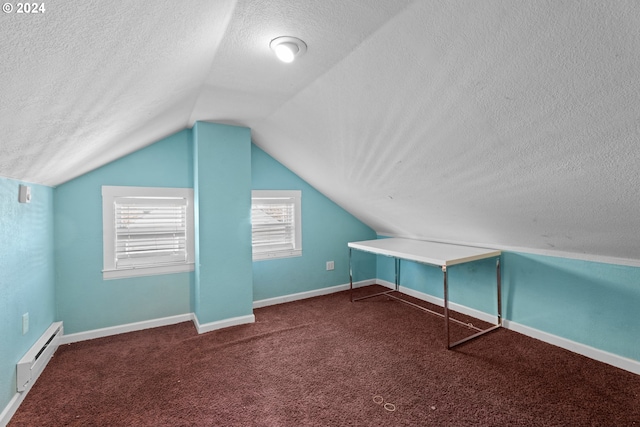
(481, 332)
(446, 305)
(350, 277)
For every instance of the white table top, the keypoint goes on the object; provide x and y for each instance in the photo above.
(441, 254)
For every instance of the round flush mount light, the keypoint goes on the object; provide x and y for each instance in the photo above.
(288, 48)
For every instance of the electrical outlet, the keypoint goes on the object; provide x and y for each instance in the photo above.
(329, 265)
(25, 323)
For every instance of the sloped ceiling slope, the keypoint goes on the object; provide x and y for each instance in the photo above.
(496, 123)
(86, 82)
(509, 124)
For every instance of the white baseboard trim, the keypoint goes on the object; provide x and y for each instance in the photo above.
(485, 317)
(122, 329)
(155, 323)
(310, 294)
(12, 406)
(576, 347)
(212, 326)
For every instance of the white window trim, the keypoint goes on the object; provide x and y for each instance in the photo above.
(109, 194)
(297, 196)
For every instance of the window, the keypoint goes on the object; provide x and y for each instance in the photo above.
(146, 231)
(276, 227)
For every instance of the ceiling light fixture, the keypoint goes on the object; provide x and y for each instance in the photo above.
(288, 48)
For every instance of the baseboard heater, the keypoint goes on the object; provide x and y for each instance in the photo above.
(33, 362)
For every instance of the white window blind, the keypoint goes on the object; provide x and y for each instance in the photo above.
(275, 221)
(150, 231)
(147, 231)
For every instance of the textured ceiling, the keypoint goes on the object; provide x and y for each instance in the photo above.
(498, 123)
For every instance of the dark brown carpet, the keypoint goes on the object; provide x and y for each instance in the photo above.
(327, 362)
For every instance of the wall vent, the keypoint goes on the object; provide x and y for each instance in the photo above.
(33, 362)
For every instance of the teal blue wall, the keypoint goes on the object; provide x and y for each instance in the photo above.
(84, 300)
(326, 230)
(223, 254)
(26, 275)
(592, 303)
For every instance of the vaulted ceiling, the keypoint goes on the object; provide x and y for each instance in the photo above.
(497, 123)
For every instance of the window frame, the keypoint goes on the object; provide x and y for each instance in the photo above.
(109, 195)
(296, 195)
